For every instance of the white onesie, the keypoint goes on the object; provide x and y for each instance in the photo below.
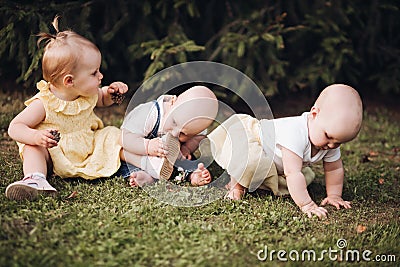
(292, 133)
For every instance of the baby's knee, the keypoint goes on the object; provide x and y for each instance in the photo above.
(36, 151)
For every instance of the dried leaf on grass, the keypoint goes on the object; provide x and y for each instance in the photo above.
(373, 153)
(361, 228)
(74, 194)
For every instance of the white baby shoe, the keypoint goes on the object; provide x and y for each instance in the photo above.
(29, 188)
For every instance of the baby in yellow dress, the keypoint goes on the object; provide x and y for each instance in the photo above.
(64, 106)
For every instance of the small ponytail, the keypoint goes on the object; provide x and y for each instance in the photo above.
(55, 23)
(48, 37)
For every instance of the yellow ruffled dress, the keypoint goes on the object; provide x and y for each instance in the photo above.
(86, 149)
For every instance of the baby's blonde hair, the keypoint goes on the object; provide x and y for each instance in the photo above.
(62, 52)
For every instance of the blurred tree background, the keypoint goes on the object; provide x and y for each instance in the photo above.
(284, 46)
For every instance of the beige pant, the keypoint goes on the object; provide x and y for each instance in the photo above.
(236, 147)
(308, 173)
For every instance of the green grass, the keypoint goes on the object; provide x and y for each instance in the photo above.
(109, 224)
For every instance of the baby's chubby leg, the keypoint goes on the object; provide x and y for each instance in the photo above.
(156, 167)
(36, 159)
(132, 158)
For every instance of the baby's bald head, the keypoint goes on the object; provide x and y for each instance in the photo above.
(341, 105)
(194, 110)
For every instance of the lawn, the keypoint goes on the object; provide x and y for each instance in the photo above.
(106, 223)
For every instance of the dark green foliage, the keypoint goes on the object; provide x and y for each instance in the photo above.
(345, 41)
(281, 45)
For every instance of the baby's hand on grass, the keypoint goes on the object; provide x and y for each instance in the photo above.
(156, 147)
(44, 138)
(201, 176)
(312, 208)
(336, 201)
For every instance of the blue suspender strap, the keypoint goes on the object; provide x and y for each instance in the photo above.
(153, 133)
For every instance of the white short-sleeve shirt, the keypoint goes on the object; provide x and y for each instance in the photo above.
(141, 120)
(292, 133)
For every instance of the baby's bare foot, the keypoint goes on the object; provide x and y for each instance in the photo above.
(140, 178)
(235, 192)
(201, 176)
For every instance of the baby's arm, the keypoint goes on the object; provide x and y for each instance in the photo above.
(21, 128)
(133, 143)
(137, 144)
(292, 165)
(334, 176)
(104, 99)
